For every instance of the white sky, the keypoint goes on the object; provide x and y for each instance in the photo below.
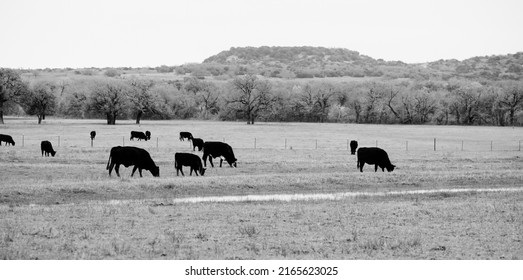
(106, 33)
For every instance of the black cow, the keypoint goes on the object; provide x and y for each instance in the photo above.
(197, 142)
(93, 134)
(128, 156)
(138, 134)
(184, 135)
(375, 156)
(191, 160)
(7, 139)
(218, 149)
(47, 148)
(353, 147)
(148, 135)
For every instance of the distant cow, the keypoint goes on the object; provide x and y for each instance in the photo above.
(184, 135)
(353, 147)
(128, 156)
(138, 134)
(47, 148)
(375, 156)
(218, 149)
(93, 134)
(148, 135)
(197, 142)
(7, 139)
(191, 160)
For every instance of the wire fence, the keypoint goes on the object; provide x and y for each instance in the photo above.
(427, 144)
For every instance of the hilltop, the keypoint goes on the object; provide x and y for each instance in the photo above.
(307, 62)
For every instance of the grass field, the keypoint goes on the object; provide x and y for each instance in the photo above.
(67, 207)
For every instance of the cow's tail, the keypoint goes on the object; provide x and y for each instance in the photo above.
(108, 162)
(175, 165)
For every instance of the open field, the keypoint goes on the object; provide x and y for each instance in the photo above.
(67, 207)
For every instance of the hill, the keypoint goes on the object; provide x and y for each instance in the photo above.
(307, 62)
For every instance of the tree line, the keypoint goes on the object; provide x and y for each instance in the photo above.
(253, 98)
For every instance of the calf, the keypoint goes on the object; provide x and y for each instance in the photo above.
(7, 139)
(186, 159)
(138, 134)
(93, 134)
(148, 135)
(353, 147)
(184, 135)
(47, 148)
(218, 149)
(375, 156)
(197, 142)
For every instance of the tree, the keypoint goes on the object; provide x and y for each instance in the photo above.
(40, 100)
(512, 101)
(206, 94)
(11, 89)
(110, 99)
(142, 98)
(253, 96)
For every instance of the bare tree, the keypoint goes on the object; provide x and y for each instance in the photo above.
(141, 98)
(512, 101)
(253, 95)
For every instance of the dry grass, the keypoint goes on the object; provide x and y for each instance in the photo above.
(67, 207)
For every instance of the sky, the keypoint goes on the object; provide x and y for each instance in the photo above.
(150, 33)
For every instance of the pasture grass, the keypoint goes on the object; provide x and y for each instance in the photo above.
(67, 207)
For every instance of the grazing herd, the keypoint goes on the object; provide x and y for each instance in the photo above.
(141, 159)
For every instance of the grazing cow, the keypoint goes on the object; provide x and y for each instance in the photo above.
(128, 156)
(186, 159)
(47, 148)
(218, 149)
(184, 135)
(7, 139)
(148, 135)
(375, 156)
(93, 134)
(138, 134)
(197, 142)
(353, 147)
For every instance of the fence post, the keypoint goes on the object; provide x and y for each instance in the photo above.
(91, 142)
(434, 144)
(519, 145)
(316, 144)
(347, 144)
(23, 140)
(58, 140)
(255, 143)
(407, 146)
(285, 143)
(491, 146)
(157, 143)
(376, 143)
(123, 140)
(461, 145)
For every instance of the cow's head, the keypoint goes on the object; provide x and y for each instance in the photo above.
(202, 170)
(53, 153)
(390, 168)
(232, 163)
(155, 171)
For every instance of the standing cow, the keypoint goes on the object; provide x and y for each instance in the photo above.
(138, 134)
(353, 147)
(128, 156)
(218, 149)
(185, 135)
(93, 134)
(197, 143)
(148, 135)
(191, 160)
(47, 148)
(375, 156)
(7, 139)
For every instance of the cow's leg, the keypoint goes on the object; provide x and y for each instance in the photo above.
(140, 171)
(181, 170)
(117, 169)
(111, 168)
(204, 157)
(361, 166)
(375, 168)
(221, 161)
(134, 170)
(210, 161)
